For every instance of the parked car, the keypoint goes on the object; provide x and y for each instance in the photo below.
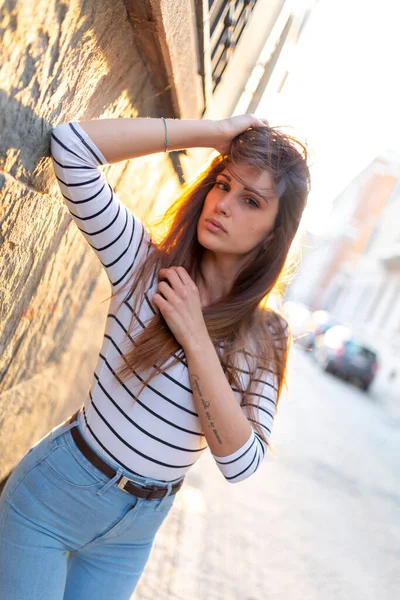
(339, 352)
(318, 323)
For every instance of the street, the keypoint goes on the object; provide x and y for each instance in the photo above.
(320, 520)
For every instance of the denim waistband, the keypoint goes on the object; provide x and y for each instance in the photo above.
(64, 428)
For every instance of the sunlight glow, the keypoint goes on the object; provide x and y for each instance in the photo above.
(341, 95)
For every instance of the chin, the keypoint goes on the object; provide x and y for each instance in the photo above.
(207, 240)
(204, 242)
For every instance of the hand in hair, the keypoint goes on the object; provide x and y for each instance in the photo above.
(178, 300)
(233, 126)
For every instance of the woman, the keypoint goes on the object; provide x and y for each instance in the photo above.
(189, 358)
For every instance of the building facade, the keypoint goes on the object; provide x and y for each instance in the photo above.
(369, 299)
(353, 269)
(355, 212)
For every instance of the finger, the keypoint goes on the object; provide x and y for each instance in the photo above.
(159, 302)
(166, 290)
(171, 276)
(183, 275)
(256, 122)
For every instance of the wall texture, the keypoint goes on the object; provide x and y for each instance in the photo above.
(62, 61)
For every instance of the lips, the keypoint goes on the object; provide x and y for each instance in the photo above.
(217, 224)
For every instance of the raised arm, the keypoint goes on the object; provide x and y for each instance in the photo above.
(121, 139)
(79, 149)
(115, 234)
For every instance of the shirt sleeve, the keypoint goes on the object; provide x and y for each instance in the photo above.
(118, 238)
(262, 400)
(245, 461)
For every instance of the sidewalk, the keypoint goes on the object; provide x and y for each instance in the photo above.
(319, 519)
(210, 547)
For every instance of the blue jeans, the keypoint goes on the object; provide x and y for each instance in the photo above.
(56, 501)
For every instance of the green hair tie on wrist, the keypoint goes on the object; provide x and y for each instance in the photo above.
(166, 134)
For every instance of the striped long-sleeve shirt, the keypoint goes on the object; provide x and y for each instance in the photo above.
(157, 434)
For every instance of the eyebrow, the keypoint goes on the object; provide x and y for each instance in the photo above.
(248, 188)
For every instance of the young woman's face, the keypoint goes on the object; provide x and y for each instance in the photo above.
(236, 217)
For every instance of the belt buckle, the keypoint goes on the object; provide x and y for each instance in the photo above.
(124, 480)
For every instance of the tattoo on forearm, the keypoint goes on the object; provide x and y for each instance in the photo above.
(206, 406)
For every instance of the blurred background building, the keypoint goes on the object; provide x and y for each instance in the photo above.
(352, 270)
(85, 60)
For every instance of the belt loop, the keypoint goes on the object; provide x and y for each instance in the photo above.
(166, 496)
(109, 483)
(59, 430)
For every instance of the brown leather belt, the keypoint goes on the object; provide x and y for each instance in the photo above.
(123, 483)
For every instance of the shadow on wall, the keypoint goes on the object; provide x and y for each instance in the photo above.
(60, 62)
(77, 64)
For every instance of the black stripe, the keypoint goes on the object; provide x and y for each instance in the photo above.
(158, 462)
(260, 408)
(111, 243)
(119, 235)
(149, 303)
(195, 414)
(255, 394)
(154, 275)
(142, 325)
(181, 385)
(235, 459)
(271, 385)
(254, 380)
(67, 149)
(88, 218)
(75, 167)
(143, 405)
(98, 176)
(260, 441)
(262, 396)
(85, 143)
(129, 269)
(244, 470)
(105, 449)
(260, 424)
(116, 260)
(102, 210)
(141, 428)
(181, 360)
(89, 198)
(93, 233)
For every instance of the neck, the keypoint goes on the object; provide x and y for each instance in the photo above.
(219, 273)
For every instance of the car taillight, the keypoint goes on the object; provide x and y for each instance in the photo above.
(374, 366)
(340, 351)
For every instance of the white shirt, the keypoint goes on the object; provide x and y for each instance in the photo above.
(159, 434)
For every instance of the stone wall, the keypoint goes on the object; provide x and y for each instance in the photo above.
(64, 61)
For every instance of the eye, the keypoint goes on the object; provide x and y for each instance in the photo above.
(218, 183)
(251, 203)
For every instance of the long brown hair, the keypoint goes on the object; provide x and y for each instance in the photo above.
(239, 324)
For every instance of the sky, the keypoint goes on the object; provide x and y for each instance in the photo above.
(342, 94)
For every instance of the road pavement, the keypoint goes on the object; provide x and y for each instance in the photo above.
(320, 520)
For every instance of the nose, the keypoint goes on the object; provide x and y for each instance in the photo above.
(223, 204)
